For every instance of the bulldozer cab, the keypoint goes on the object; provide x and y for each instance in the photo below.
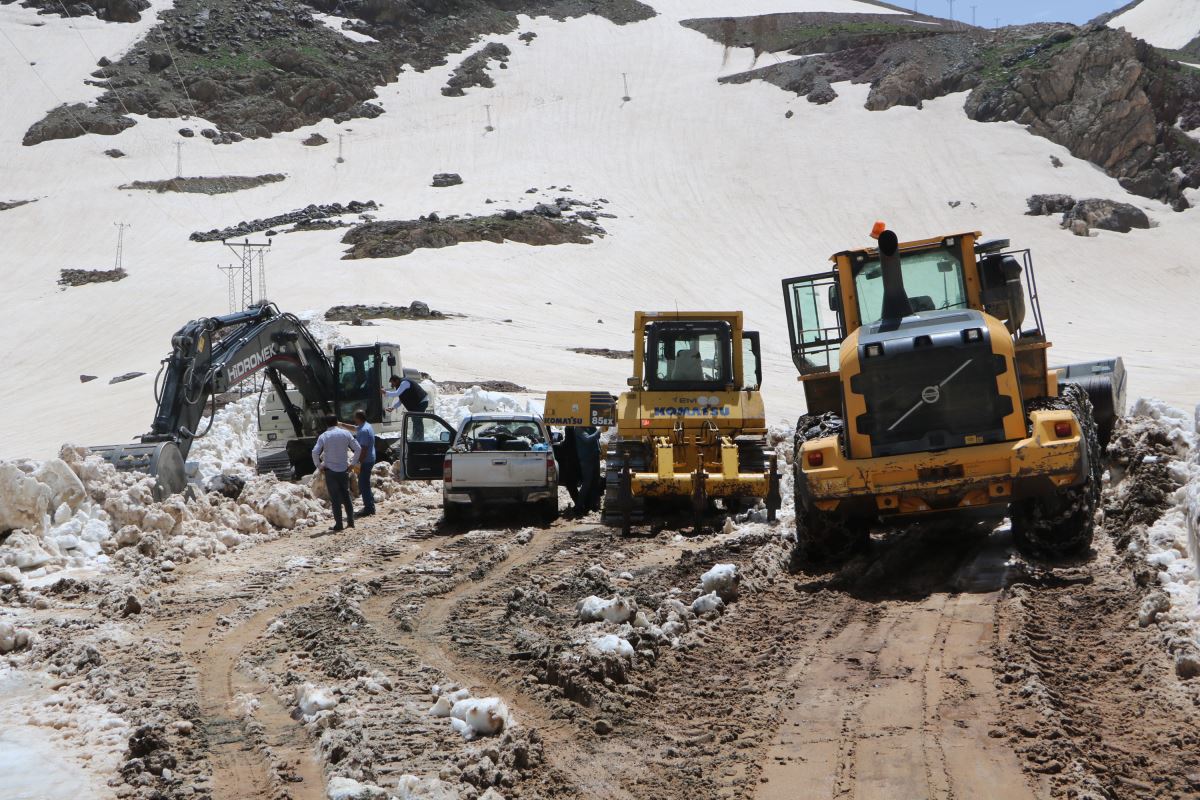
(695, 352)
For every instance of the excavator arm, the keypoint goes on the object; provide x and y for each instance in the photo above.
(212, 355)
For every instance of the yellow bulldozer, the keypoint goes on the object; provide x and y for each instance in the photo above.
(691, 428)
(925, 372)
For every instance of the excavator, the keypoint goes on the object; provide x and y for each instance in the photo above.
(212, 355)
(926, 377)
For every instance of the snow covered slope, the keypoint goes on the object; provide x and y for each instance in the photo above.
(1162, 23)
(717, 196)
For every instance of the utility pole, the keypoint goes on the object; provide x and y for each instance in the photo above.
(488, 127)
(997, 22)
(119, 261)
(340, 160)
(241, 275)
(951, 2)
(625, 81)
(179, 159)
(973, 16)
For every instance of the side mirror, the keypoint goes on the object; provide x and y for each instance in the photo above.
(391, 360)
(444, 437)
(633, 383)
(834, 301)
(945, 266)
(557, 437)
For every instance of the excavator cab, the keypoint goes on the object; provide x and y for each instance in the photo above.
(362, 370)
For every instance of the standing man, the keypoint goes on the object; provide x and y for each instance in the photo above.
(587, 448)
(568, 468)
(364, 434)
(408, 393)
(335, 452)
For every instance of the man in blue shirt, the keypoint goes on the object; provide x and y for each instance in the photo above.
(335, 452)
(364, 434)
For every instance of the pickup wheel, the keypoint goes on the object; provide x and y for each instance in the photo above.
(548, 508)
(453, 513)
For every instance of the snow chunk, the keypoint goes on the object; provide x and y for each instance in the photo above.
(594, 609)
(312, 699)
(411, 787)
(348, 789)
(612, 644)
(479, 717)
(723, 579)
(707, 603)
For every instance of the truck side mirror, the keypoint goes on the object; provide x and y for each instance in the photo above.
(391, 360)
(834, 302)
(633, 383)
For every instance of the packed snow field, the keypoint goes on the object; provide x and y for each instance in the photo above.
(716, 196)
(223, 646)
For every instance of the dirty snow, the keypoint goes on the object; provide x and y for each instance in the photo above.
(616, 609)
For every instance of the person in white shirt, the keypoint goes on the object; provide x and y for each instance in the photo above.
(335, 453)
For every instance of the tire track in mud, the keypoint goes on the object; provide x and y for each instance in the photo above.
(899, 701)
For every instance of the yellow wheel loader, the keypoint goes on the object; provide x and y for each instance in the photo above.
(691, 428)
(928, 390)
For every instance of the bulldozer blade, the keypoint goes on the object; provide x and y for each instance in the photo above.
(160, 460)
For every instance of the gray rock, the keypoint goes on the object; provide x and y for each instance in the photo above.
(159, 62)
(1107, 215)
(128, 376)
(187, 133)
(419, 309)
(114, 153)
(1041, 205)
(602, 727)
(1056, 162)
(1079, 227)
(86, 378)
(315, 140)
(443, 179)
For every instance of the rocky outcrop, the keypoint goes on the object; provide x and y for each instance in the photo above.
(473, 71)
(107, 10)
(1108, 98)
(11, 204)
(444, 179)
(401, 237)
(416, 310)
(1082, 216)
(70, 121)
(221, 185)
(307, 215)
(255, 69)
(81, 277)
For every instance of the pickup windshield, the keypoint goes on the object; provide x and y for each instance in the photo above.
(506, 435)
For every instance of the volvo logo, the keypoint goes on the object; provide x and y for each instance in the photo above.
(931, 394)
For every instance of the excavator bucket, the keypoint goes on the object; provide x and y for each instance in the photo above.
(160, 460)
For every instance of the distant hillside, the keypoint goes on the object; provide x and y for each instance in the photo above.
(1106, 96)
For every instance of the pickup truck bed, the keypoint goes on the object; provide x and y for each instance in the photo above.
(500, 459)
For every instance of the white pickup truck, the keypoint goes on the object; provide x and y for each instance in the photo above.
(492, 459)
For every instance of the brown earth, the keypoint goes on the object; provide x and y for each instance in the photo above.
(937, 665)
(221, 185)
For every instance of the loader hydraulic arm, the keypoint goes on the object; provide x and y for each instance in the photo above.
(213, 354)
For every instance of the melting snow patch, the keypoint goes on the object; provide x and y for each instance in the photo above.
(594, 609)
(707, 603)
(612, 643)
(479, 717)
(312, 699)
(410, 787)
(722, 579)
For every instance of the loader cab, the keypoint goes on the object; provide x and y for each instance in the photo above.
(361, 371)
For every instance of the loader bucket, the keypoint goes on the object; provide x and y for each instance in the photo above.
(1104, 382)
(160, 460)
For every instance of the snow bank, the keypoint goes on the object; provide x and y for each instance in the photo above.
(455, 408)
(1172, 543)
(595, 609)
(231, 445)
(79, 511)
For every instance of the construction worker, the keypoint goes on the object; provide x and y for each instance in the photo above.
(364, 434)
(568, 467)
(408, 393)
(587, 449)
(335, 453)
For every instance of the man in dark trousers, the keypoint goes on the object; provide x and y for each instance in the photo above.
(335, 453)
(568, 467)
(364, 434)
(408, 393)
(587, 447)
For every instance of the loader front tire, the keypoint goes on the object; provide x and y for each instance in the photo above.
(1062, 524)
(822, 537)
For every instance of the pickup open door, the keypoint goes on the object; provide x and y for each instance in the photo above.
(427, 439)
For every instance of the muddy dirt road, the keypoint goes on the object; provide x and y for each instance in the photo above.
(939, 665)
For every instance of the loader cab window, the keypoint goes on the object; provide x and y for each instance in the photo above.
(688, 356)
(933, 281)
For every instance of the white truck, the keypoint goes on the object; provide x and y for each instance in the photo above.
(491, 459)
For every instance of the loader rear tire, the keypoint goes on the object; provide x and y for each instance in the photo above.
(822, 537)
(1062, 524)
